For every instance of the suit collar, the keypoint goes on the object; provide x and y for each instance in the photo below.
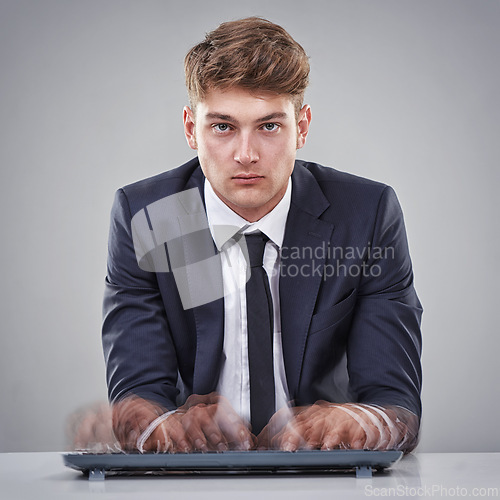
(197, 178)
(306, 193)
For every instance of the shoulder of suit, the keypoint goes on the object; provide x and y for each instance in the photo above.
(163, 184)
(325, 175)
(348, 195)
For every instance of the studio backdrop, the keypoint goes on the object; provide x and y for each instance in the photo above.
(91, 95)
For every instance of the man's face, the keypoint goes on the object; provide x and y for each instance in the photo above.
(246, 146)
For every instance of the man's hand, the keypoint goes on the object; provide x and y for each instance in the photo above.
(282, 423)
(211, 424)
(328, 426)
(89, 429)
(132, 416)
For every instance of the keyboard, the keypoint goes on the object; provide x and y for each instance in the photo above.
(363, 462)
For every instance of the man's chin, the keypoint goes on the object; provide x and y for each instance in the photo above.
(248, 204)
(252, 212)
(246, 198)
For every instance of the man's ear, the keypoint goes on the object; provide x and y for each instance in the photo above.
(189, 127)
(303, 122)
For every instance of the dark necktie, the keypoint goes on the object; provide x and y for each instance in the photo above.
(260, 335)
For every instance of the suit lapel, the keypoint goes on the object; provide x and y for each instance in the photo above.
(209, 319)
(301, 276)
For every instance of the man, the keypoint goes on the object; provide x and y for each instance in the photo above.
(254, 300)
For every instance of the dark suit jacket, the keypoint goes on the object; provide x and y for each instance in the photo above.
(350, 317)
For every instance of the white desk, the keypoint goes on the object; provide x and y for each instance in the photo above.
(424, 475)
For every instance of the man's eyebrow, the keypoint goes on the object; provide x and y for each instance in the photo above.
(220, 116)
(229, 118)
(272, 116)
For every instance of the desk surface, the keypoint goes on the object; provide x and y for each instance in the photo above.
(427, 475)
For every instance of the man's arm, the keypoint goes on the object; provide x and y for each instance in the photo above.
(384, 343)
(138, 348)
(383, 356)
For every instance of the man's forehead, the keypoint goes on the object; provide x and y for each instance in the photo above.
(225, 104)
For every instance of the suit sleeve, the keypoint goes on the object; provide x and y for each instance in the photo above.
(138, 348)
(384, 344)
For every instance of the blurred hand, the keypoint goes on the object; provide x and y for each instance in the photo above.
(133, 415)
(211, 424)
(283, 422)
(90, 429)
(352, 426)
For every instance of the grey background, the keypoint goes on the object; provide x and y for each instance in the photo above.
(91, 96)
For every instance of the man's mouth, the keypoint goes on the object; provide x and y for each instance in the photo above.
(247, 179)
(248, 176)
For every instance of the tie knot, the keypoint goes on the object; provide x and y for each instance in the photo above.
(256, 243)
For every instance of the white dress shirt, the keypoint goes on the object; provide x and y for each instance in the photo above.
(234, 380)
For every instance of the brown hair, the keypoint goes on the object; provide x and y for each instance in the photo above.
(252, 53)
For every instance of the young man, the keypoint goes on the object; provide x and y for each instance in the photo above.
(254, 300)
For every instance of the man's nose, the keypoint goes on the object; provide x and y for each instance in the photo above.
(246, 152)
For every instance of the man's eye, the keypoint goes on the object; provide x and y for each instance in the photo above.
(270, 126)
(221, 127)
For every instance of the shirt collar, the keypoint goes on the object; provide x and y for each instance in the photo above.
(224, 223)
